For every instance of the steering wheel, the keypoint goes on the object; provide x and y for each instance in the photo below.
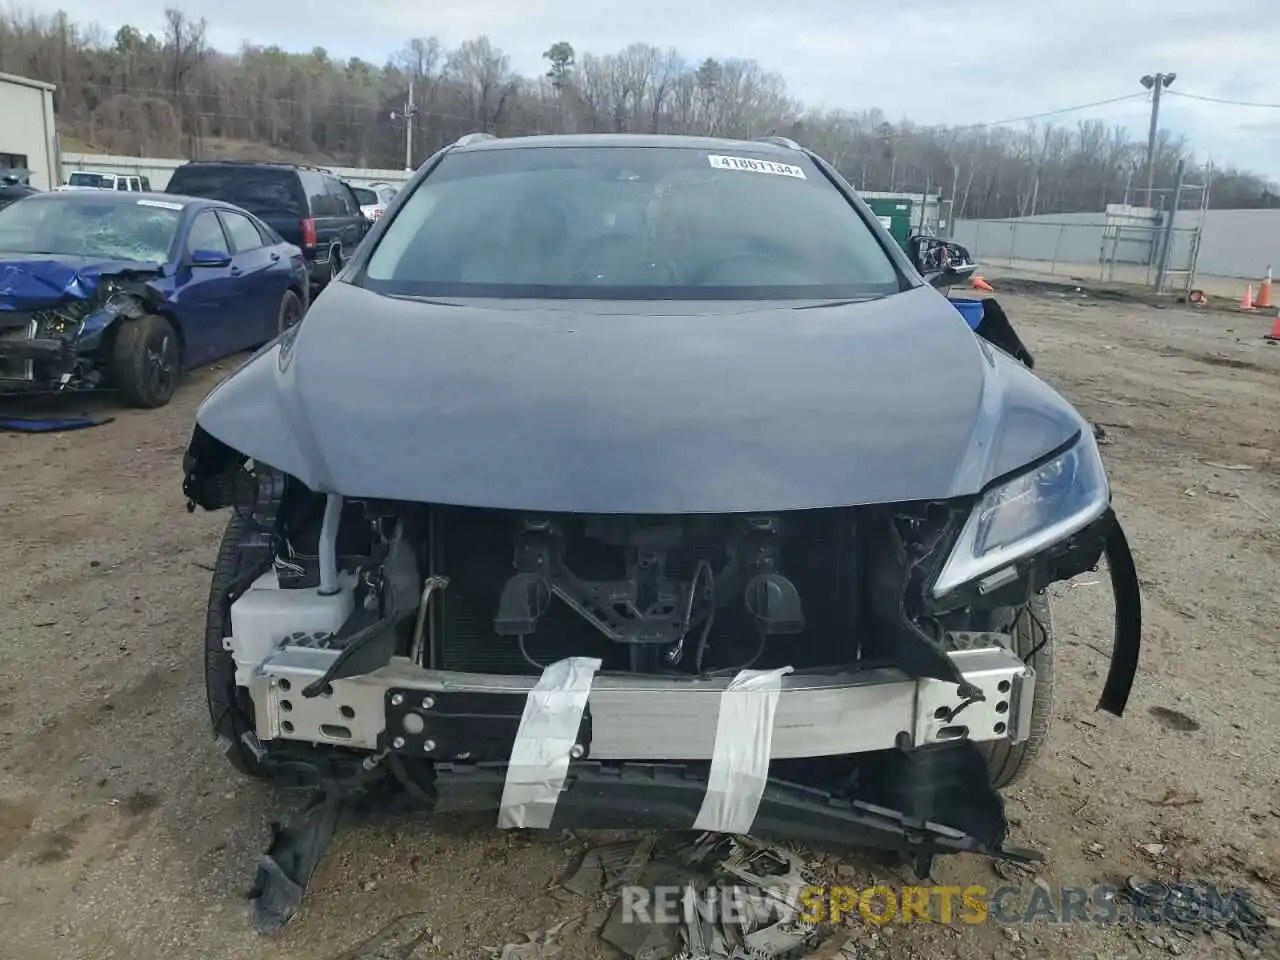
(738, 256)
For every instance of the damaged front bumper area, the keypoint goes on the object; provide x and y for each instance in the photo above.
(643, 752)
(60, 346)
(839, 676)
(803, 672)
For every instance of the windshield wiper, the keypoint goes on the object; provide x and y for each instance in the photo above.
(839, 303)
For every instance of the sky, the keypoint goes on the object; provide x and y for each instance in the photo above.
(981, 61)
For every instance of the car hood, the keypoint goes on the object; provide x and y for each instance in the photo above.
(650, 408)
(31, 281)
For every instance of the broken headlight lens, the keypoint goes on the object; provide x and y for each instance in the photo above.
(1022, 516)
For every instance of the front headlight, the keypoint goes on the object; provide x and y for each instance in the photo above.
(64, 321)
(1022, 516)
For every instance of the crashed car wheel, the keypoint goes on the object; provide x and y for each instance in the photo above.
(1033, 642)
(145, 361)
(230, 711)
(290, 311)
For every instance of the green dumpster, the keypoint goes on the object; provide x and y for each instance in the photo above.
(895, 214)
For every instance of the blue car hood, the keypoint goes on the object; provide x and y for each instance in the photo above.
(32, 281)
(641, 408)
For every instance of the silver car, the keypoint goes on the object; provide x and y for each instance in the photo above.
(374, 199)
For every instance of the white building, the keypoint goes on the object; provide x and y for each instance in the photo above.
(28, 138)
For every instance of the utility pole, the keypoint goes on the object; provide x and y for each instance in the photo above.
(409, 111)
(408, 129)
(1155, 84)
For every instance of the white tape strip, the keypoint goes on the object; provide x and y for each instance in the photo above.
(743, 747)
(548, 732)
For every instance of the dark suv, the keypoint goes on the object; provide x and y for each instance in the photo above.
(308, 206)
(13, 188)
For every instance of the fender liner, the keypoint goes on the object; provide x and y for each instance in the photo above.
(1128, 634)
(996, 329)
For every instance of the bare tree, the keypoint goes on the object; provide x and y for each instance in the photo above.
(484, 80)
(185, 51)
(184, 46)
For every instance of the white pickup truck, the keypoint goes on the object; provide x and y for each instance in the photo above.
(85, 180)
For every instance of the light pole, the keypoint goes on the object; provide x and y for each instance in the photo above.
(409, 112)
(1155, 84)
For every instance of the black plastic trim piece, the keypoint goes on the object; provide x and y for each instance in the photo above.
(656, 796)
(463, 725)
(1127, 645)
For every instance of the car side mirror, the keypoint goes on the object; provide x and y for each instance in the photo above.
(941, 262)
(209, 258)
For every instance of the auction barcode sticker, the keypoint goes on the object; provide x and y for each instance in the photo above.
(755, 166)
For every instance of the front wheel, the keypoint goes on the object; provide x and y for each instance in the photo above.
(230, 709)
(242, 553)
(145, 361)
(1033, 642)
(290, 311)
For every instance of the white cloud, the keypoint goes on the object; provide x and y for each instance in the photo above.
(985, 60)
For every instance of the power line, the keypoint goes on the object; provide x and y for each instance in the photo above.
(243, 99)
(232, 94)
(1054, 113)
(236, 99)
(934, 130)
(1224, 100)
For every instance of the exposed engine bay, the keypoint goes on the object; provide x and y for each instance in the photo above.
(493, 591)
(418, 643)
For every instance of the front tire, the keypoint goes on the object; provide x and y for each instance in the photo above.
(291, 311)
(145, 361)
(1033, 641)
(230, 709)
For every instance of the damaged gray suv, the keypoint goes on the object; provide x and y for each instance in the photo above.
(644, 482)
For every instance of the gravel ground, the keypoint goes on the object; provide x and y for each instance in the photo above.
(124, 834)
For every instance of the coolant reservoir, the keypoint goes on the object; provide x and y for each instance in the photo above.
(264, 615)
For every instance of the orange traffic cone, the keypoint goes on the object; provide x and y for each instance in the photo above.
(1264, 291)
(979, 284)
(1275, 331)
(1246, 302)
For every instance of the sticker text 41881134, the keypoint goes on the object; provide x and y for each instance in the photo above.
(755, 166)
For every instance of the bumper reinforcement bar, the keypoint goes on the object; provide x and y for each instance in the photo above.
(446, 716)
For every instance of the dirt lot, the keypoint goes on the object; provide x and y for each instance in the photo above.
(124, 834)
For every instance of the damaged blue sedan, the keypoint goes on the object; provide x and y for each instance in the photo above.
(128, 291)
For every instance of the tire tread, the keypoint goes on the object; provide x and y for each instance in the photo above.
(1009, 762)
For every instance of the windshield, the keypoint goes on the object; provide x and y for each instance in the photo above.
(107, 227)
(364, 196)
(86, 180)
(263, 191)
(628, 223)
